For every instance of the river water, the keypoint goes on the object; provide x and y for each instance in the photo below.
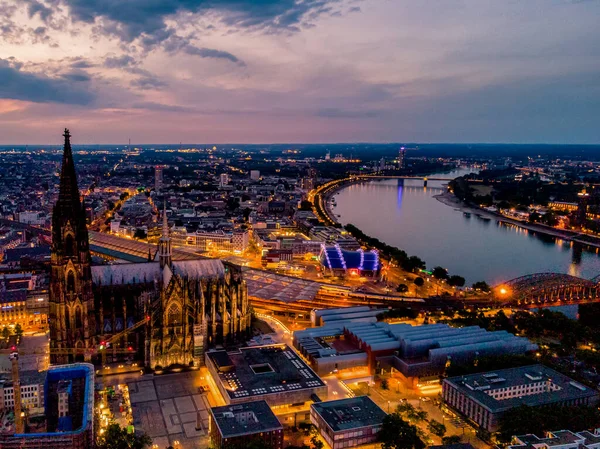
(410, 217)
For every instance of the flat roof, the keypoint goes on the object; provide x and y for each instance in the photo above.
(262, 370)
(477, 386)
(351, 413)
(558, 438)
(231, 424)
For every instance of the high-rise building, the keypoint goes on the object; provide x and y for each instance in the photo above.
(401, 155)
(158, 177)
(223, 179)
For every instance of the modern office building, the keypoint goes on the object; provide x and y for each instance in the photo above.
(235, 426)
(354, 338)
(274, 373)
(72, 388)
(484, 397)
(562, 439)
(347, 422)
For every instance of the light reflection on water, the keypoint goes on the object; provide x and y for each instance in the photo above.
(409, 217)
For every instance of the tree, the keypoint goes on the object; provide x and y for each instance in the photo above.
(482, 286)
(452, 439)
(116, 437)
(305, 205)
(396, 433)
(317, 444)
(539, 420)
(456, 281)
(439, 273)
(5, 332)
(18, 331)
(140, 234)
(417, 415)
(123, 196)
(534, 217)
(436, 428)
(402, 288)
(419, 281)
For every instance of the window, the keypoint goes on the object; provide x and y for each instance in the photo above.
(69, 246)
(71, 282)
(173, 315)
(78, 321)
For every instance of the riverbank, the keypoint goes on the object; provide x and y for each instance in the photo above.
(449, 199)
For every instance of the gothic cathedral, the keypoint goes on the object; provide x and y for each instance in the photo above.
(162, 312)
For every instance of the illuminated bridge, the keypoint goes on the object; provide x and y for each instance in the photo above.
(547, 289)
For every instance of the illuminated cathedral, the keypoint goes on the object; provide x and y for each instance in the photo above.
(161, 312)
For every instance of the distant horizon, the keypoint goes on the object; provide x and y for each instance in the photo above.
(74, 144)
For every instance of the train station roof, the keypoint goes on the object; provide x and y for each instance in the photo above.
(266, 285)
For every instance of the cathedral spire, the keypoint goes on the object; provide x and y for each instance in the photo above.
(165, 223)
(68, 196)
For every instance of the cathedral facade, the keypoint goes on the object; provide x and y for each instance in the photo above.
(161, 312)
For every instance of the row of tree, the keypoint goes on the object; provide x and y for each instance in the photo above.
(396, 255)
(409, 263)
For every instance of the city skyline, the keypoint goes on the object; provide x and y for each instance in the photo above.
(287, 71)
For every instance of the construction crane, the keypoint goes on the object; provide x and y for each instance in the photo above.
(105, 344)
(19, 426)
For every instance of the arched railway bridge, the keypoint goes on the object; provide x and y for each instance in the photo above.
(547, 289)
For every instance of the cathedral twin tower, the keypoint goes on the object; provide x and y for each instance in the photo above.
(162, 312)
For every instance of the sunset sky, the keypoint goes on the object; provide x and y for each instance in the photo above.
(266, 71)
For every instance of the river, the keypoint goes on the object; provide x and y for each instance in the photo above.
(410, 217)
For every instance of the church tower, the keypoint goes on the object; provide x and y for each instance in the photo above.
(72, 322)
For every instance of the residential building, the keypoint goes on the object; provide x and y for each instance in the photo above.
(32, 391)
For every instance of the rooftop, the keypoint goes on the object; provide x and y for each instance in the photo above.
(483, 386)
(261, 370)
(265, 285)
(244, 419)
(351, 413)
(30, 377)
(582, 440)
(336, 258)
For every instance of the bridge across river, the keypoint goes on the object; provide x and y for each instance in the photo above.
(547, 289)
